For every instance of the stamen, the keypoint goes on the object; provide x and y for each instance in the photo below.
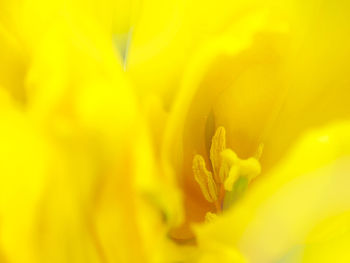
(217, 146)
(205, 179)
(232, 175)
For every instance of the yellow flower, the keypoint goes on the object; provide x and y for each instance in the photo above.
(118, 115)
(267, 75)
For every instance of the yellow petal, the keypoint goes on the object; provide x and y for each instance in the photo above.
(319, 87)
(209, 90)
(13, 64)
(100, 197)
(168, 34)
(25, 159)
(329, 240)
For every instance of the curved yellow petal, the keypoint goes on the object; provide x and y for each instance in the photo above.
(319, 87)
(25, 157)
(168, 34)
(14, 62)
(89, 189)
(217, 91)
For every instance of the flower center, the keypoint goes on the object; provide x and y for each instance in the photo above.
(230, 175)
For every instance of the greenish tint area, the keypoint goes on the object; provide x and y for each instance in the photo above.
(122, 44)
(237, 191)
(295, 254)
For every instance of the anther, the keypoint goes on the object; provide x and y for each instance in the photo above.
(217, 146)
(205, 179)
(230, 177)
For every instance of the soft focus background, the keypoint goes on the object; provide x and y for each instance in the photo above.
(104, 105)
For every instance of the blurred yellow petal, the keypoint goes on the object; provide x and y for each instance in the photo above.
(13, 64)
(25, 159)
(89, 168)
(101, 197)
(168, 33)
(329, 240)
(319, 87)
